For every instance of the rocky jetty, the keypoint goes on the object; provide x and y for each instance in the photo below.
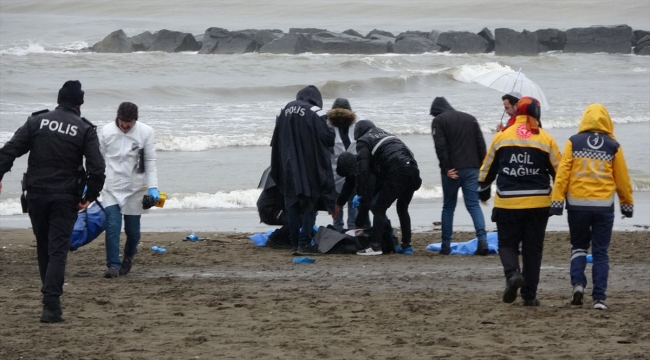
(618, 39)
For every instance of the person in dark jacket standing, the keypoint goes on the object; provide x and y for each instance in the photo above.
(460, 148)
(301, 165)
(398, 177)
(57, 141)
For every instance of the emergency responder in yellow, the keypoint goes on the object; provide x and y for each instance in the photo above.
(591, 171)
(522, 158)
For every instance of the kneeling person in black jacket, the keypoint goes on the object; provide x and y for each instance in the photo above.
(384, 155)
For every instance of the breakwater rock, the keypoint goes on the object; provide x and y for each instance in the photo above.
(618, 39)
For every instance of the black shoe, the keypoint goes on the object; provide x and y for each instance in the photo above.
(482, 248)
(512, 286)
(445, 249)
(533, 302)
(112, 272)
(308, 250)
(52, 313)
(578, 293)
(127, 262)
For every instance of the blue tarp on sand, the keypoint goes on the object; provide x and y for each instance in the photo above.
(260, 239)
(469, 248)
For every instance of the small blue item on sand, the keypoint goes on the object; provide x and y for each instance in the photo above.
(303, 260)
(406, 251)
(469, 247)
(192, 237)
(158, 249)
(260, 239)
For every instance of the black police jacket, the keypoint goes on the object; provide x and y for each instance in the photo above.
(379, 153)
(58, 141)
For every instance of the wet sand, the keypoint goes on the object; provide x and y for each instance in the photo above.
(227, 299)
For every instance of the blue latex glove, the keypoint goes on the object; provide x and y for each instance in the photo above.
(356, 201)
(154, 193)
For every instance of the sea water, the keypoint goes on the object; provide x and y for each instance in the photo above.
(214, 114)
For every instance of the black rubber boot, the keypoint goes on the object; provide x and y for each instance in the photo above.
(52, 313)
(482, 248)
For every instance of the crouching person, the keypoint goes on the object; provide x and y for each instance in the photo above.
(398, 177)
(591, 171)
(129, 149)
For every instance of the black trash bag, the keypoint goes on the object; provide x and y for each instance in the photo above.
(279, 239)
(388, 239)
(331, 241)
(270, 204)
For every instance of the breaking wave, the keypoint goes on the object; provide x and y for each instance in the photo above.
(248, 198)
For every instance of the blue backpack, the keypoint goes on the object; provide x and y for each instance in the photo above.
(89, 225)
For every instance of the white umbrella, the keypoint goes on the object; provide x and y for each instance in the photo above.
(512, 82)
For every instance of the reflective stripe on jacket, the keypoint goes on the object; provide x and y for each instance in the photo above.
(522, 163)
(593, 168)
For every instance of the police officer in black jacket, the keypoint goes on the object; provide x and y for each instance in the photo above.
(398, 177)
(57, 141)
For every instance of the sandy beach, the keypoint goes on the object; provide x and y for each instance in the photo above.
(227, 299)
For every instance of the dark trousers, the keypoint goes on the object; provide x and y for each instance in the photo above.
(595, 228)
(399, 185)
(53, 217)
(526, 227)
(301, 225)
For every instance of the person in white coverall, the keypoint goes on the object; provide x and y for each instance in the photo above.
(129, 150)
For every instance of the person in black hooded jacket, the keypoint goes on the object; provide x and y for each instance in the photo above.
(398, 177)
(301, 165)
(460, 148)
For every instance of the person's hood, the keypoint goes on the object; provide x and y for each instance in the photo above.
(341, 117)
(346, 164)
(439, 106)
(312, 95)
(362, 127)
(596, 118)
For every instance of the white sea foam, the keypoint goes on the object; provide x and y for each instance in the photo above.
(233, 199)
(206, 142)
(10, 207)
(37, 48)
(248, 198)
(467, 73)
(426, 193)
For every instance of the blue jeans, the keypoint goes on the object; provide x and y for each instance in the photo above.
(468, 181)
(113, 229)
(299, 219)
(596, 228)
(352, 216)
